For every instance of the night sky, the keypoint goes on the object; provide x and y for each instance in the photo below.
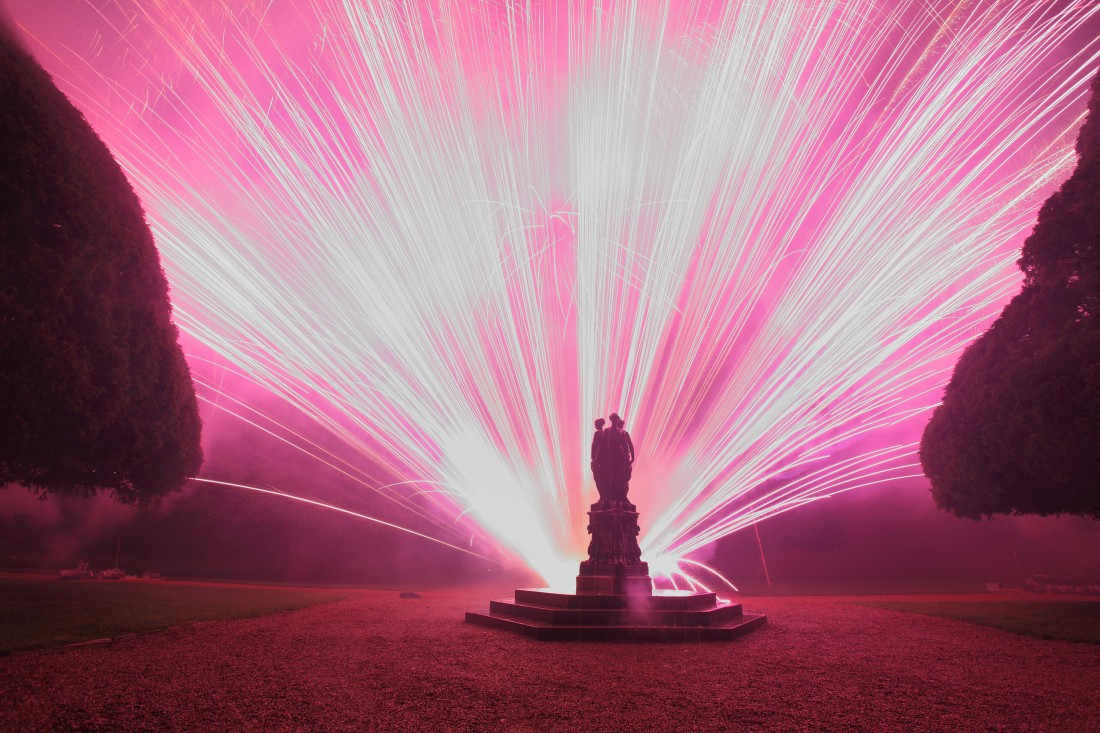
(434, 254)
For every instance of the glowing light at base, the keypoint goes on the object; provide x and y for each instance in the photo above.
(453, 234)
(683, 573)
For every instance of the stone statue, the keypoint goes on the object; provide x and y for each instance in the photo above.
(599, 471)
(614, 563)
(620, 450)
(612, 460)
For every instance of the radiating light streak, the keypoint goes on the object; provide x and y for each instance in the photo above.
(340, 465)
(671, 567)
(341, 510)
(453, 234)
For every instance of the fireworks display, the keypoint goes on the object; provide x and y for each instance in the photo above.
(453, 234)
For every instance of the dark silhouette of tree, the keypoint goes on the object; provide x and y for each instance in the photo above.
(94, 390)
(1019, 428)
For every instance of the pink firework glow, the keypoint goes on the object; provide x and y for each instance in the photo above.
(454, 233)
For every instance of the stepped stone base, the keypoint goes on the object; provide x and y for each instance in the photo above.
(615, 600)
(595, 616)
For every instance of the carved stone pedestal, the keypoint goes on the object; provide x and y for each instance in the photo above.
(614, 563)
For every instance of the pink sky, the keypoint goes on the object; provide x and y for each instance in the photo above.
(456, 238)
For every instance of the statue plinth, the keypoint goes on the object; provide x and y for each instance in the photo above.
(614, 563)
(615, 599)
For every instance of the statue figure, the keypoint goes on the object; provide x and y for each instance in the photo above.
(599, 471)
(614, 561)
(622, 451)
(612, 460)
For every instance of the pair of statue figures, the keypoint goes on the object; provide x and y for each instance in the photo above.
(612, 459)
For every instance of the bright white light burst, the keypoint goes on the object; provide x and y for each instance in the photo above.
(455, 233)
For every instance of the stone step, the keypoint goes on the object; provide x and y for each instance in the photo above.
(543, 631)
(714, 615)
(661, 600)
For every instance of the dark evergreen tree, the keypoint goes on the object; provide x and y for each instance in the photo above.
(94, 390)
(1019, 428)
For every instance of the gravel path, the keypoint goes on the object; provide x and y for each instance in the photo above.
(376, 662)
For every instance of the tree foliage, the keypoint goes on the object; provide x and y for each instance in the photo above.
(94, 389)
(1019, 428)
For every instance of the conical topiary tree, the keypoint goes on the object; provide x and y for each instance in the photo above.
(1019, 428)
(94, 390)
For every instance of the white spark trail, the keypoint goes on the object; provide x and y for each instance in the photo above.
(455, 233)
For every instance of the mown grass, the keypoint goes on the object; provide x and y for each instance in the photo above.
(1063, 620)
(39, 612)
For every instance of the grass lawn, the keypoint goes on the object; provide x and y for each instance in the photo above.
(40, 612)
(1046, 619)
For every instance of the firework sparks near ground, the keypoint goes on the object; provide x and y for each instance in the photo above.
(454, 234)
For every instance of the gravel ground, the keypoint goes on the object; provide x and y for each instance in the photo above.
(376, 662)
